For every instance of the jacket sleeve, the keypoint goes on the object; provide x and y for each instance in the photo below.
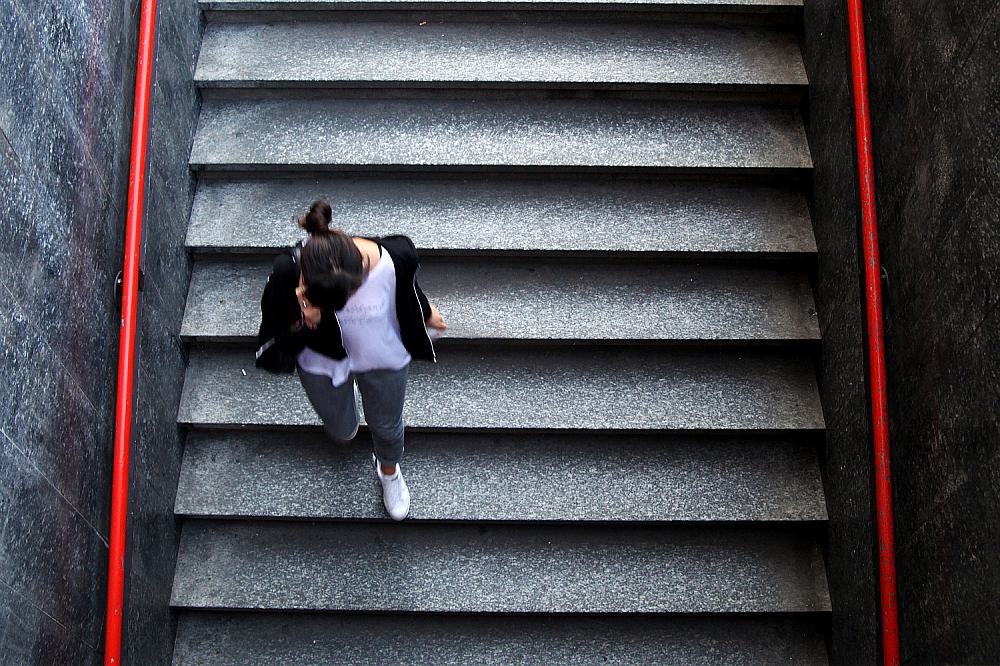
(413, 259)
(281, 309)
(425, 305)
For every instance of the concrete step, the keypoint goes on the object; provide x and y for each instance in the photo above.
(288, 9)
(498, 55)
(585, 215)
(373, 567)
(491, 135)
(263, 639)
(485, 300)
(534, 388)
(292, 9)
(505, 478)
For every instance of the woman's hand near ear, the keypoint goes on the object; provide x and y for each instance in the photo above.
(310, 315)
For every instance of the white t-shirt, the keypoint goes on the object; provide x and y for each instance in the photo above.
(369, 327)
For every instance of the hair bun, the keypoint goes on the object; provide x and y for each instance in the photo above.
(317, 220)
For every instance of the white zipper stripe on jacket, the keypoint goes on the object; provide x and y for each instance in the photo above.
(340, 330)
(264, 347)
(422, 317)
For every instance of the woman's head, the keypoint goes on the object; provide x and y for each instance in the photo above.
(331, 264)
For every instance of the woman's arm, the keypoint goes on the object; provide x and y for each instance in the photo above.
(405, 250)
(432, 317)
(291, 328)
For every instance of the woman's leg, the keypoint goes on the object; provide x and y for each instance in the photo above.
(382, 394)
(335, 405)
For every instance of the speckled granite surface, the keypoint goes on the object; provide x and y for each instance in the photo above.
(536, 388)
(67, 78)
(687, 5)
(583, 214)
(532, 300)
(496, 54)
(259, 639)
(506, 477)
(220, 8)
(486, 134)
(475, 568)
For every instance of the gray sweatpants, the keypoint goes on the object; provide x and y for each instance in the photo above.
(382, 394)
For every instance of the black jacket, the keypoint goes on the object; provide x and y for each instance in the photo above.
(283, 333)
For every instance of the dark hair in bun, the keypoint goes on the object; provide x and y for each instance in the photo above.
(332, 268)
(317, 220)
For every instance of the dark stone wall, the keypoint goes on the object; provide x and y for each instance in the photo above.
(67, 72)
(934, 91)
(850, 553)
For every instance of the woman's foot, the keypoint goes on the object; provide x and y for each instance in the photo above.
(395, 494)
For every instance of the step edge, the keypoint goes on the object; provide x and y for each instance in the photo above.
(735, 7)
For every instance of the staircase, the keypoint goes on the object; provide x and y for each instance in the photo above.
(616, 458)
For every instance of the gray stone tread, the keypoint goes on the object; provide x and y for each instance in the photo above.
(497, 569)
(486, 300)
(438, 54)
(631, 5)
(510, 215)
(576, 388)
(505, 478)
(264, 639)
(478, 135)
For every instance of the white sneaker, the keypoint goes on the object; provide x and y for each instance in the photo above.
(395, 494)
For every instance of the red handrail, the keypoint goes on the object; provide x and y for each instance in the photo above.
(126, 342)
(876, 349)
